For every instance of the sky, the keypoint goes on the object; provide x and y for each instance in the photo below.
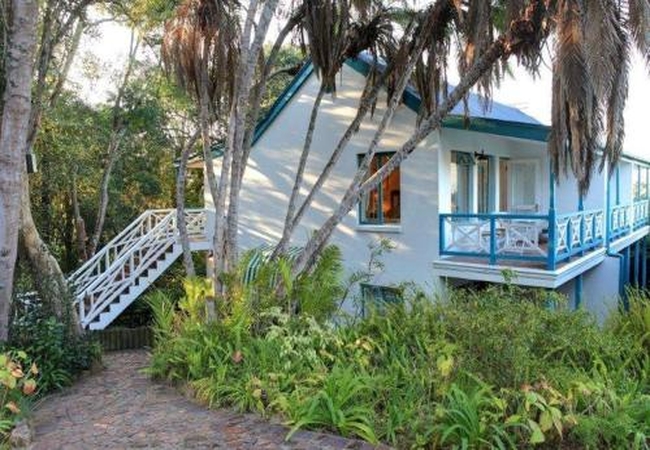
(109, 50)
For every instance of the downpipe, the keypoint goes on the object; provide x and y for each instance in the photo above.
(621, 277)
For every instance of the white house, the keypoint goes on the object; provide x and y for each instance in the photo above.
(467, 204)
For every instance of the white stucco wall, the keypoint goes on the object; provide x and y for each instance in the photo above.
(269, 178)
(600, 285)
(425, 185)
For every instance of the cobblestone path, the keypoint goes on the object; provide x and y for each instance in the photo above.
(120, 407)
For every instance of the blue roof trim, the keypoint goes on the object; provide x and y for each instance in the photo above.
(528, 128)
(494, 122)
(285, 97)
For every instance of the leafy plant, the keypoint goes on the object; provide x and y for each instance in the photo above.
(473, 417)
(339, 405)
(59, 353)
(17, 384)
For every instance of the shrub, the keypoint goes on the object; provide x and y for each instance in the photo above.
(502, 367)
(59, 352)
(17, 385)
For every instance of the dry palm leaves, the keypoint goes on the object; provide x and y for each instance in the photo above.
(589, 85)
(200, 48)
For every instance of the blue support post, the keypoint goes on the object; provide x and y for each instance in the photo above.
(644, 262)
(578, 292)
(625, 278)
(493, 240)
(637, 248)
(441, 235)
(618, 185)
(551, 261)
(581, 208)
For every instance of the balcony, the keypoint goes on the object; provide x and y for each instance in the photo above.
(545, 242)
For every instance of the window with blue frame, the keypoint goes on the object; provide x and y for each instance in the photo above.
(381, 206)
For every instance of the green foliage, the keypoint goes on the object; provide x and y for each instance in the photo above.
(59, 353)
(473, 417)
(316, 294)
(483, 369)
(343, 404)
(17, 385)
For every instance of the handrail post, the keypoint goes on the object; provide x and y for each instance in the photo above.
(581, 209)
(441, 233)
(551, 261)
(493, 240)
(551, 257)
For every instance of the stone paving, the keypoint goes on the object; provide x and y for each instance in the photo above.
(120, 407)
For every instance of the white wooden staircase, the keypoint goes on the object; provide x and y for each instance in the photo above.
(125, 267)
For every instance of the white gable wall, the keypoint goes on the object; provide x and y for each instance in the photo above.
(269, 178)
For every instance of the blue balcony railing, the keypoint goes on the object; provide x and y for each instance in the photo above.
(625, 219)
(541, 238)
(495, 237)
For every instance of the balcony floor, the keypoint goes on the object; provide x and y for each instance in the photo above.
(526, 273)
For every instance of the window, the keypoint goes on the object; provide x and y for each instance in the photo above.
(461, 182)
(523, 184)
(639, 183)
(484, 181)
(379, 297)
(381, 205)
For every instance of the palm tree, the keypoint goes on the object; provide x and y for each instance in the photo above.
(591, 43)
(200, 48)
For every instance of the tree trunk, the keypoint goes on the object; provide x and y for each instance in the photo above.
(356, 190)
(79, 223)
(291, 208)
(364, 107)
(13, 135)
(241, 113)
(180, 205)
(102, 204)
(48, 276)
(117, 133)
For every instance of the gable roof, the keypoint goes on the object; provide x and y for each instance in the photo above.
(499, 119)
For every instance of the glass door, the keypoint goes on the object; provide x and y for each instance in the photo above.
(484, 184)
(522, 192)
(461, 182)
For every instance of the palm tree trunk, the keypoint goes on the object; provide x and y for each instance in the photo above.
(291, 208)
(180, 205)
(357, 190)
(366, 102)
(13, 135)
(236, 150)
(260, 89)
(362, 111)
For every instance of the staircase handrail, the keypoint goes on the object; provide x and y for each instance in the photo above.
(150, 237)
(103, 255)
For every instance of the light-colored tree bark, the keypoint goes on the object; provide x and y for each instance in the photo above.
(359, 188)
(181, 177)
(56, 24)
(300, 171)
(233, 164)
(13, 135)
(79, 223)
